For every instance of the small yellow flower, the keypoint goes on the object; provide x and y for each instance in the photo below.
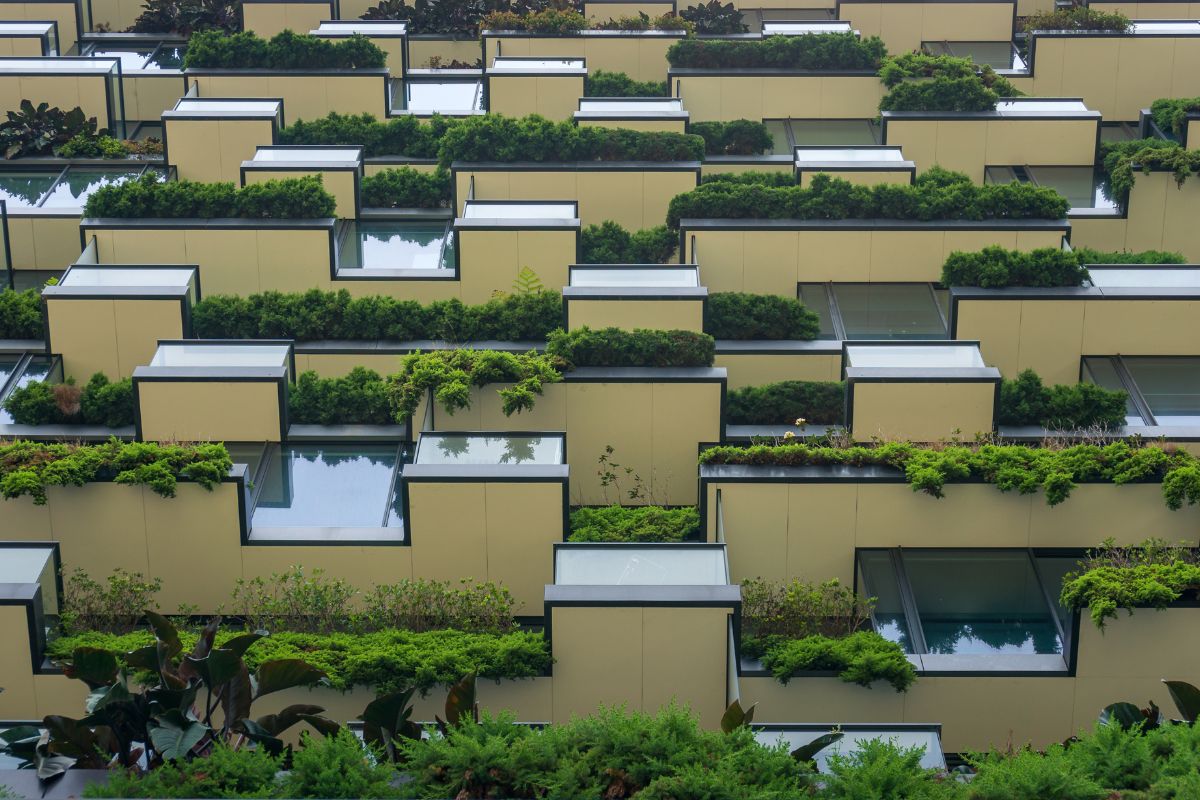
(789, 435)
(800, 422)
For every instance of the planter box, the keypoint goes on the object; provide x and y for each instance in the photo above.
(634, 194)
(98, 325)
(772, 256)
(234, 256)
(633, 113)
(340, 170)
(864, 166)
(1017, 132)
(1160, 215)
(424, 47)
(518, 87)
(492, 251)
(73, 17)
(306, 95)
(642, 55)
(728, 94)
(756, 363)
(28, 39)
(1157, 9)
(607, 10)
(207, 139)
(265, 18)
(43, 238)
(373, 165)
(633, 308)
(92, 84)
(389, 36)
(904, 25)
(116, 15)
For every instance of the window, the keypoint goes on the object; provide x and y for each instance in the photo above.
(832, 132)
(997, 55)
(900, 311)
(1084, 187)
(1163, 390)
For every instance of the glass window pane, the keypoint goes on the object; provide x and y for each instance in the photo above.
(395, 245)
(1053, 569)
(450, 97)
(79, 184)
(853, 739)
(1082, 186)
(879, 581)
(816, 299)
(834, 132)
(981, 603)
(1171, 387)
(24, 189)
(1102, 372)
(37, 369)
(778, 130)
(640, 566)
(479, 449)
(889, 311)
(329, 486)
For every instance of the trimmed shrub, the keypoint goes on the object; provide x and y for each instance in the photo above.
(739, 137)
(1076, 18)
(188, 16)
(398, 136)
(617, 84)
(360, 398)
(998, 267)
(1025, 401)
(775, 179)
(862, 658)
(21, 314)
(826, 51)
(881, 768)
(315, 315)
(609, 243)
(743, 315)
(920, 66)
(285, 51)
(940, 94)
(99, 402)
(548, 20)
(612, 347)
(644, 22)
(782, 403)
(634, 524)
(405, 187)
(1170, 114)
(223, 772)
(1087, 255)
(149, 198)
(937, 195)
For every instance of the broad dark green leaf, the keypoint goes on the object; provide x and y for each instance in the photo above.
(805, 754)
(92, 665)
(285, 673)
(735, 716)
(174, 735)
(1186, 697)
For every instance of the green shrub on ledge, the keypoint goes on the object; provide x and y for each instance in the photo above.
(827, 51)
(149, 198)
(1153, 574)
(284, 51)
(1087, 255)
(744, 315)
(613, 347)
(998, 267)
(1055, 471)
(27, 468)
(937, 194)
(1149, 155)
(450, 374)
(739, 137)
(782, 403)
(923, 82)
(99, 402)
(609, 243)
(548, 20)
(405, 187)
(398, 136)
(1025, 401)
(617, 84)
(634, 524)
(862, 658)
(359, 398)
(1076, 18)
(21, 314)
(1170, 114)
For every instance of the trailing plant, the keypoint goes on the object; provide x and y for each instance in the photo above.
(786, 403)
(284, 51)
(1171, 114)
(39, 130)
(398, 136)
(548, 20)
(617, 84)
(739, 137)
(21, 314)
(405, 187)
(613, 347)
(825, 51)
(385, 660)
(450, 374)
(27, 468)
(609, 243)
(1025, 401)
(185, 17)
(114, 606)
(1153, 574)
(359, 398)
(715, 17)
(315, 315)
(99, 402)
(862, 657)
(1120, 158)
(921, 66)
(1054, 471)
(937, 194)
(634, 524)
(744, 315)
(1076, 18)
(148, 197)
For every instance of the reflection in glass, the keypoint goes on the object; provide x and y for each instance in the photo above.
(781, 144)
(37, 369)
(1170, 386)
(330, 486)
(889, 311)
(640, 566)
(879, 581)
(396, 245)
(79, 184)
(437, 448)
(24, 189)
(815, 299)
(833, 132)
(1102, 372)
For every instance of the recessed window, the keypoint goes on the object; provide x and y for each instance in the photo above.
(395, 244)
(787, 133)
(997, 55)
(1162, 390)
(891, 311)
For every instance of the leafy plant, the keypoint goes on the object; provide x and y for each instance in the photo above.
(1153, 575)
(398, 136)
(222, 772)
(405, 187)
(450, 374)
(284, 51)
(609, 243)
(83, 145)
(294, 601)
(422, 605)
(359, 398)
(188, 16)
(548, 20)
(1120, 158)
(1028, 775)
(1076, 18)
(1025, 401)
(634, 524)
(147, 197)
(21, 314)
(739, 137)
(928, 69)
(601, 83)
(797, 610)
(1171, 114)
(825, 51)
(862, 658)
(782, 403)
(882, 768)
(1088, 255)
(335, 767)
(613, 347)
(744, 315)
(98, 403)
(38, 130)
(115, 606)
(715, 17)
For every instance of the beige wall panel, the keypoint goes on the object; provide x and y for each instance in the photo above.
(1141, 327)
(239, 140)
(1182, 205)
(118, 15)
(62, 13)
(900, 26)
(55, 241)
(362, 567)
(723, 254)
(821, 699)
(549, 413)
(756, 530)
(588, 670)
(512, 96)
(209, 411)
(194, 148)
(18, 700)
(820, 523)
(728, 97)
(632, 314)
(1050, 142)
(996, 325)
(147, 98)
(21, 242)
(291, 260)
(741, 97)
(558, 98)
(652, 125)
(21, 520)
(966, 21)
(193, 542)
(308, 97)
(1052, 321)
(906, 255)
(606, 196)
(1095, 512)
(268, 19)
(548, 253)
(862, 178)
(337, 365)
(620, 415)
(893, 515)
(979, 713)
(227, 260)
(487, 260)
(84, 333)
(921, 412)
(67, 91)
(100, 526)
(1105, 234)
(658, 188)
(58, 694)
(685, 414)
(771, 259)
(756, 370)
(977, 240)
(850, 97)
(139, 326)
(830, 256)
(524, 520)
(420, 51)
(685, 656)
(449, 530)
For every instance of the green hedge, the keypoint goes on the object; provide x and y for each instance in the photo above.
(1025, 401)
(785, 402)
(612, 347)
(937, 195)
(862, 658)
(450, 375)
(739, 137)
(617, 84)
(922, 82)
(609, 243)
(359, 398)
(776, 179)
(1076, 18)
(830, 51)
(149, 198)
(744, 315)
(1105, 589)
(405, 187)
(21, 314)
(284, 51)
(1009, 467)
(1170, 114)
(398, 136)
(315, 315)
(27, 468)
(634, 524)
(383, 660)
(1087, 255)
(99, 402)
(1119, 159)
(998, 267)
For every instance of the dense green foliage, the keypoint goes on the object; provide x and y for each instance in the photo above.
(224, 772)
(601, 83)
(99, 402)
(744, 315)
(609, 243)
(826, 51)
(937, 195)
(739, 137)
(384, 660)
(999, 268)
(284, 51)
(1076, 18)
(881, 768)
(634, 524)
(782, 403)
(715, 17)
(1009, 467)
(406, 187)
(397, 136)
(41, 130)
(1171, 114)
(359, 398)
(1087, 255)
(1153, 574)
(21, 314)
(450, 375)
(922, 82)
(1119, 159)
(752, 178)
(317, 314)
(612, 347)
(184, 17)
(548, 20)
(27, 468)
(862, 657)
(149, 198)
(1025, 401)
